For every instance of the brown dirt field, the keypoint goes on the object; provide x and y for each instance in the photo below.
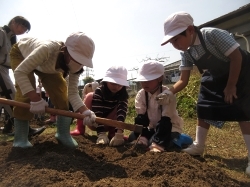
(48, 163)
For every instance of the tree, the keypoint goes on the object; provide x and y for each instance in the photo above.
(88, 80)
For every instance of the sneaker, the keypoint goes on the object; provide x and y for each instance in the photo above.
(195, 150)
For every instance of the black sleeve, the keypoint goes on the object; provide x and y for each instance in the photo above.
(162, 135)
(142, 119)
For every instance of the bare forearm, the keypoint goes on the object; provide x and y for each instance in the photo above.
(182, 83)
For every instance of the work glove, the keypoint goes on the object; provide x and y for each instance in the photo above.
(142, 141)
(38, 107)
(102, 138)
(156, 148)
(117, 140)
(89, 118)
(165, 97)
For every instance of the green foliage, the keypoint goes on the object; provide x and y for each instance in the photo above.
(131, 114)
(187, 98)
(88, 80)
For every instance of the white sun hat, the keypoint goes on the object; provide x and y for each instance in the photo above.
(150, 70)
(81, 48)
(175, 24)
(94, 85)
(116, 74)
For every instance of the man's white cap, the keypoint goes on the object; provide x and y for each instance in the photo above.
(116, 74)
(81, 48)
(150, 70)
(175, 24)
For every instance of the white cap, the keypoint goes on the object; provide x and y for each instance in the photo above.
(150, 70)
(81, 48)
(94, 85)
(175, 24)
(116, 74)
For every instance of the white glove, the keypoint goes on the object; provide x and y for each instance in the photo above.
(117, 140)
(38, 107)
(164, 98)
(89, 118)
(142, 141)
(102, 139)
(156, 148)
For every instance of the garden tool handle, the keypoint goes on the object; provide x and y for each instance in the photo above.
(104, 121)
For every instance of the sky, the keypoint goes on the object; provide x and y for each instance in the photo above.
(125, 32)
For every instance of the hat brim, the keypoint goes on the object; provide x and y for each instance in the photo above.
(141, 78)
(116, 81)
(172, 34)
(81, 58)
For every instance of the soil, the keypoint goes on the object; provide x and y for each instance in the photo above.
(49, 163)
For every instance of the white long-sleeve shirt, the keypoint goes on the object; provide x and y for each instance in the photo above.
(42, 55)
(154, 110)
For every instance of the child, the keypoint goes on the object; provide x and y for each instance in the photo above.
(110, 100)
(161, 123)
(89, 87)
(52, 62)
(225, 83)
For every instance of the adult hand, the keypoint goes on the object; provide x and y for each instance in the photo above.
(117, 140)
(164, 98)
(89, 118)
(38, 107)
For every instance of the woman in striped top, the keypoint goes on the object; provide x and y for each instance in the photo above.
(110, 100)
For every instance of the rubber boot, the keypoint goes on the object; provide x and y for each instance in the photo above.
(21, 134)
(198, 146)
(63, 132)
(36, 131)
(51, 120)
(80, 128)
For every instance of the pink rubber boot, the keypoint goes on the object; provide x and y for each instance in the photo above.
(80, 128)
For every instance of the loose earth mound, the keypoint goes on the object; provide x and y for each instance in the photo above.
(48, 163)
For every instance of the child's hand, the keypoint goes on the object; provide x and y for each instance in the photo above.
(164, 97)
(230, 94)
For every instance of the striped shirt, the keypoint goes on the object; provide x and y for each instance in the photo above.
(42, 56)
(219, 42)
(102, 106)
